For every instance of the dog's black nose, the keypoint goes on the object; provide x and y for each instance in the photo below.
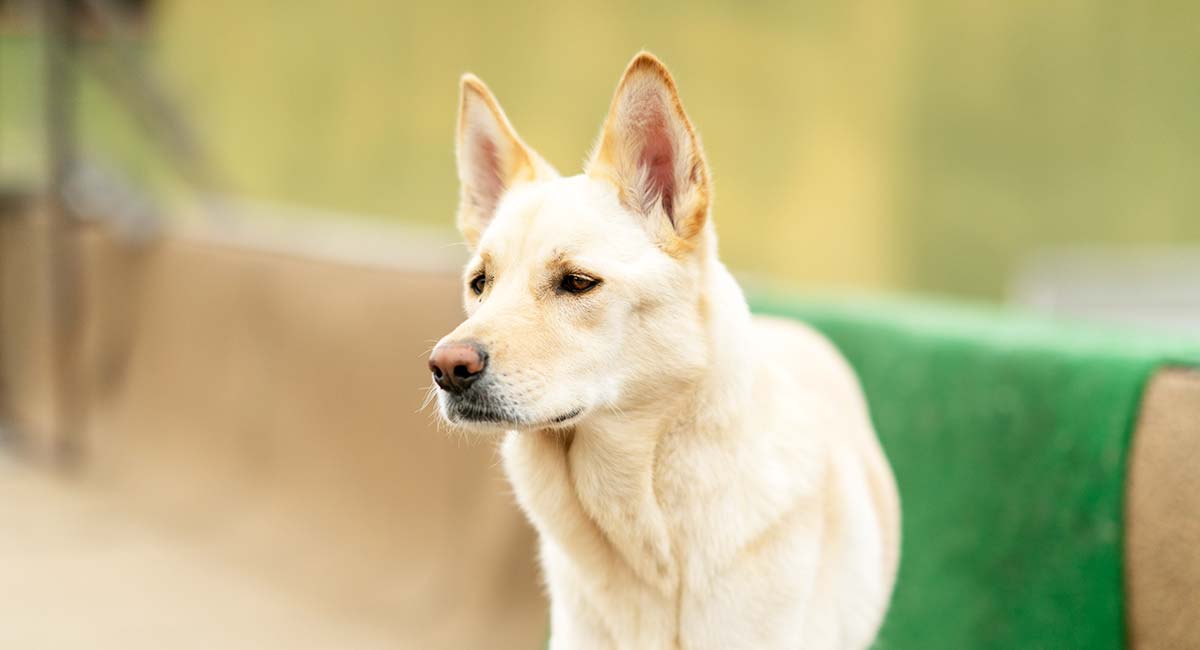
(455, 366)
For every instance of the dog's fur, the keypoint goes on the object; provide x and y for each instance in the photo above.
(700, 478)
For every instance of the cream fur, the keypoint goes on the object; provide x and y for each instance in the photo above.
(700, 478)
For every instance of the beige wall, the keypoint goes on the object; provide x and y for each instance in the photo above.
(265, 407)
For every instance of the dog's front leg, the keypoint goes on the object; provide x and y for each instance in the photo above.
(536, 464)
(593, 587)
(580, 563)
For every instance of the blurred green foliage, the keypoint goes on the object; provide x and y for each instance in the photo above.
(108, 133)
(922, 145)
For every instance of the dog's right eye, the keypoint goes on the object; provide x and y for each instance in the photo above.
(478, 283)
(577, 283)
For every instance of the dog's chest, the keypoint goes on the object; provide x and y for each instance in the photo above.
(701, 498)
(719, 494)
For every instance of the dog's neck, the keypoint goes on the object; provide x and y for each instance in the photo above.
(614, 457)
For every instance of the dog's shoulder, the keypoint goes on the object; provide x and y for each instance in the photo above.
(808, 358)
(794, 335)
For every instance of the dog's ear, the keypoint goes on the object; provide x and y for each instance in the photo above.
(491, 158)
(650, 152)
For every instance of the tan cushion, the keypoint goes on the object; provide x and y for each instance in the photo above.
(1162, 551)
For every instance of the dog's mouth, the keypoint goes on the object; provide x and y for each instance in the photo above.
(566, 418)
(475, 414)
(470, 412)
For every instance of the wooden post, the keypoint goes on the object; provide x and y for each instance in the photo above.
(61, 97)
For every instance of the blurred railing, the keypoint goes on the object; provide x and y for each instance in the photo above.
(135, 87)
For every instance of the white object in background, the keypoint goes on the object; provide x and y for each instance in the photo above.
(1151, 288)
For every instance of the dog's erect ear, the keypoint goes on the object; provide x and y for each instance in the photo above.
(650, 151)
(491, 158)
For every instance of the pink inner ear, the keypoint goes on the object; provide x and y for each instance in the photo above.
(658, 159)
(487, 184)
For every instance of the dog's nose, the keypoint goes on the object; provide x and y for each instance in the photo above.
(455, 366)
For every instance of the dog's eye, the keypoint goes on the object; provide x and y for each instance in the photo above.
(575, 283)
(478, 283)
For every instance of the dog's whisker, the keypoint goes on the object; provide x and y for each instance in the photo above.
(430, 395)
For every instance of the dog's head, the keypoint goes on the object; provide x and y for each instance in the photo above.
(583, 293)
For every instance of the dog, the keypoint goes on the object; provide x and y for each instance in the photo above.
(698, 477)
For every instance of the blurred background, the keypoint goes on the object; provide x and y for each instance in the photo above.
(929, 146)
(211, 212)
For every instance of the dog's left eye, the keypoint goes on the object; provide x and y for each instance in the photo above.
(576, 283)
(478, 283)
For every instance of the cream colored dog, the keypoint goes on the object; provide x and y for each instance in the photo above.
(700, 478)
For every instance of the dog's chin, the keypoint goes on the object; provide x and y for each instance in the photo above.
(475, 426)
(469, 416)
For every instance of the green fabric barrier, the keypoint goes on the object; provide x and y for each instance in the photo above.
(1008, 435)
